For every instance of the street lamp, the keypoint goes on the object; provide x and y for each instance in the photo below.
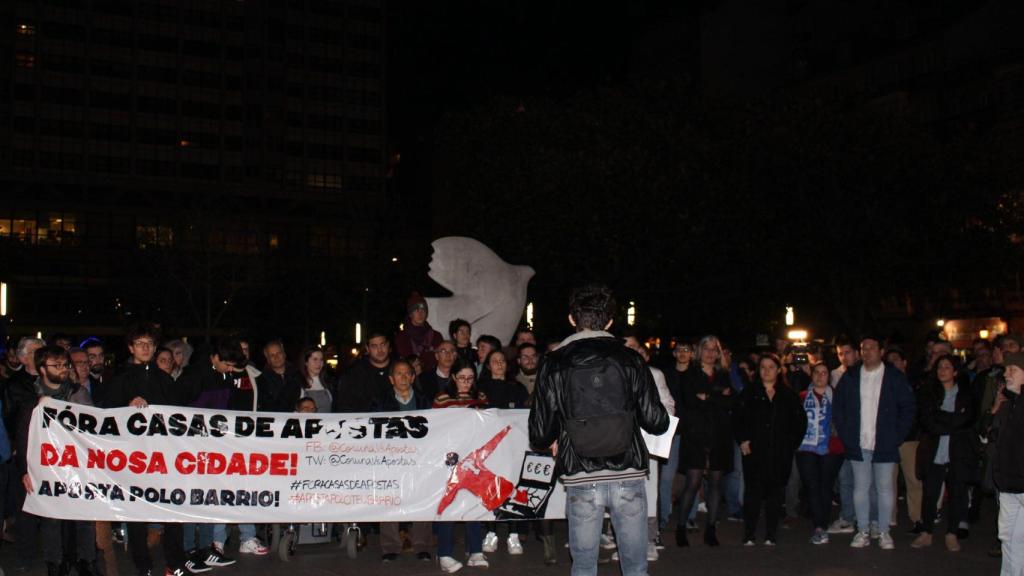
(3, 298)
(529, 315)
(359, 333)
(790, 316)
(631, 314)
(323, 338)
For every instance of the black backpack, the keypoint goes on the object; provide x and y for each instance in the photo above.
(603, 423)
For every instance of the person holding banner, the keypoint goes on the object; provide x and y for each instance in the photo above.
(461, 393)
(502, 392)
(53, 364)
(402, 397)
(138, 384)
(223, 383)
(594, 396)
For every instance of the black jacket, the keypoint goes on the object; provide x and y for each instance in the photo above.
(707, 437)
(430, 384)
(964, 447)
(24, 421)
(1008, 469)
(278, 392)
(359, 386)
(774, 429)
(19, 392)
(148, 382)
(552, 405)
(504, 393)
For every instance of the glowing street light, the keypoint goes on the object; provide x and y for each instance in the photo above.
(790, 316)
(797, 335)
(359, 333)
(940, 322)
(323, 338)
(3, 298)
(983, 334)
(631, 314)
(529, 315)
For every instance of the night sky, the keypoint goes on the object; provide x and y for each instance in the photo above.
(738, 156)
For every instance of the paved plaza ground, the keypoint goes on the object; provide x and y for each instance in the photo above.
(793, 555)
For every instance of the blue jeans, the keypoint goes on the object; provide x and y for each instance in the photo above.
(446, 537)
(872, 478)
(667, 475)
(732, 485)
(627, 504)
(847, 510)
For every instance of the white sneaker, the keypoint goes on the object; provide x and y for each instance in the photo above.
(607, 542)
(450, 565)
(515, 547)
(885, 541)
(490, 543)
(652, 552)
(253, 546)
(477, 560)
(860, 540)
(841, 526)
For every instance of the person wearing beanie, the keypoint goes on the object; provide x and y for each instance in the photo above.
(418, 338)
(1008, 468)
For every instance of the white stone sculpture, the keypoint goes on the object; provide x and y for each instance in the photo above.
(487, 292)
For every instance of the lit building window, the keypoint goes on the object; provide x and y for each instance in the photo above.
(325, 181)
(147, 236)
(25, 60)
(25, 29)
(24, 229)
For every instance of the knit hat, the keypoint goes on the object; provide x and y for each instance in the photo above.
(1015, 359)
(415, 301)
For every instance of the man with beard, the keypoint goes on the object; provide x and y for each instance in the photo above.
(99, 373)
(528, 359)
(54, 381)
(366, 379)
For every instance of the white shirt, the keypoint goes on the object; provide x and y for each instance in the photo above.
(663, 392)
(870, 392)
(836, 374)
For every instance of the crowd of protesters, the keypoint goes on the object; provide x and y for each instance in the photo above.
(775, 436)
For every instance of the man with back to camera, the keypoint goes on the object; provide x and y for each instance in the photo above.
(593, 397)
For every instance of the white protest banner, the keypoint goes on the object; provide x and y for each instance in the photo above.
(171, 464)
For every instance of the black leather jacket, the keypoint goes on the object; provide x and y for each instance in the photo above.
(552, 405)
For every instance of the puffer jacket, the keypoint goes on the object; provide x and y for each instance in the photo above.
(552, 405)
